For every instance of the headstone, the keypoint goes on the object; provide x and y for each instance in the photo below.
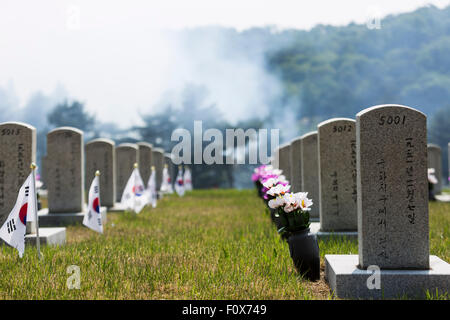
(274, 161)
(393, 232)
(337, 173)
(127, 155)
(158, 162)
(65, 153)
(18, 151)
(310, 171)
(145, 160)
(43, 171)
(296, 165)
(392, 188)
(100, 155)
(435, 161)
(284, 160)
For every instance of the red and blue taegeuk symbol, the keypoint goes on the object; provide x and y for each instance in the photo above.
(96, 205)
(137, 190)
(23, 214)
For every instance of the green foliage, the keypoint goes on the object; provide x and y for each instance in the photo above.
(72, 115)
(158, 129)
(338, 71)
(439, 133)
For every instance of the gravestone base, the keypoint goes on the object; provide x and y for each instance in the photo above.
(443, 197)
(48, 236)
(116, 208)
(347, 281)
(47, 219)
(327, 235)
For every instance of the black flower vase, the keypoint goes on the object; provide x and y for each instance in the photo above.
(431, 196)
(272, 214)
(304, 251)
(259, 187)
(280, 222)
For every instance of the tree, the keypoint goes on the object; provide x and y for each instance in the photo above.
(72, 115)
(158, 130)
(439, 133)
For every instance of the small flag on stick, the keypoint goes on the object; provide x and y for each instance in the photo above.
(151, 188)
(134, 196)
(187, 179)
(93, 217)
(166, 185)
(14, 229)
(179, 183)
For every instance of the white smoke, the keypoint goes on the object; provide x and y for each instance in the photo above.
(236, 79)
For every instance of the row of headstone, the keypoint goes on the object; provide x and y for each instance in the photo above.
(65, 148)
(158, 162)
(63, 169)
(170, 165)
(372, 177)
(435, 162)
(18, 151)
(323, 163)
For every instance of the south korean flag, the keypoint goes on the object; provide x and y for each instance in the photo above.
(179, 183)
(134, 196)
(152, 195)
(14, 229)
(93, 217)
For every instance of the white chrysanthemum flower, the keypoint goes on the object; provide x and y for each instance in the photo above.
(278, 190)
(276, 203)
(303, 201)
(269, 183)
(278, 172)
(291, 202)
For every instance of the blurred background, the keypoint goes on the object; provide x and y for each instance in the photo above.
(137, 70)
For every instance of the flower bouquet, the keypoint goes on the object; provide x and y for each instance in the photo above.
(266, 177)
(292, 209)
(290, 213)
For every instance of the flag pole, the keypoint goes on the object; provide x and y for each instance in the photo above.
(134, 192)
(152, 194)
(97, 174)
(38, 242)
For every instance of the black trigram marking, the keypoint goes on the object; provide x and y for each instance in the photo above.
(96, 189)
(89, 215)
(11, 226)
(27, 191)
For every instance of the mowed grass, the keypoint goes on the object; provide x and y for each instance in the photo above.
(216, 244)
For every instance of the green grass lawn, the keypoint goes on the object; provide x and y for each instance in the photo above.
(216, 244)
